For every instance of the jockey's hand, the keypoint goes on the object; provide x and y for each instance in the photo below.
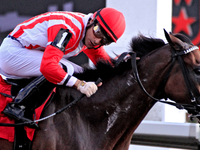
(87, 88)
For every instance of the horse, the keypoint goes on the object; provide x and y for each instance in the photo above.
(108, 119)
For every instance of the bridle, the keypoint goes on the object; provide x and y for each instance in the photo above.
(194, 107)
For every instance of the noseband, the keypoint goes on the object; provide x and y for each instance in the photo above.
(194, 107)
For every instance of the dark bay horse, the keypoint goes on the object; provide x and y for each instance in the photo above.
(108, 119)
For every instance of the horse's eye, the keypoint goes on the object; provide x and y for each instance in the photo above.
(197, 71)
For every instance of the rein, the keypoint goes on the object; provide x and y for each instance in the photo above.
(193, 108)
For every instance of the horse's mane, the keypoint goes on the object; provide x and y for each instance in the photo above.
(140, 44)
(143, 45)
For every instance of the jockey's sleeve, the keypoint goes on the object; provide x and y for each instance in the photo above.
(96, 55)
(50, 67)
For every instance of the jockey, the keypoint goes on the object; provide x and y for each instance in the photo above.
(40, 46)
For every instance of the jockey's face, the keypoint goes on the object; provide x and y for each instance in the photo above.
(94, 36)
(91, 40)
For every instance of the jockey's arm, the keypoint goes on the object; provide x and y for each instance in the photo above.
(54, 73)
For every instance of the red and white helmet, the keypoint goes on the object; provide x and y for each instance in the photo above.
(112, 21)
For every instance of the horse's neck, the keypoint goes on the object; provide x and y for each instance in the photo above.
(105, 112)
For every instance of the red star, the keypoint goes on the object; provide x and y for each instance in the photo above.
(183, 22)
(188, 2)
(177, 2)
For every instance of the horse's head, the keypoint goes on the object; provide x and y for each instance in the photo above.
(173, 67)
(183, 84)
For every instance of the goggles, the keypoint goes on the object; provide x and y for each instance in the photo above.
(100, 33)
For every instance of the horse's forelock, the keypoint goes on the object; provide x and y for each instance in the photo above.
(142, 45)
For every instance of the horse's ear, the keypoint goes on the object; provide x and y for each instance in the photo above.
(176, 43)
(167, 36)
